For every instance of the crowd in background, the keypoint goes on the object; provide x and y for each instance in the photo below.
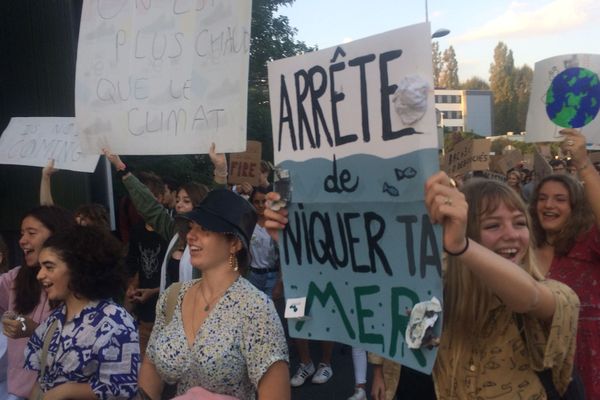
(182, 303)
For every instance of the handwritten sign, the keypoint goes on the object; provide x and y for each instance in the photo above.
(565, 93)
(245, 167)
(355, 127)
(34, 140)
(468, 155)
(163, 77)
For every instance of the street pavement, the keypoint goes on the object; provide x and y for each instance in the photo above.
(341, 384)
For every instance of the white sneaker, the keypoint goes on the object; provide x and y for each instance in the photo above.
(359, 394)
(323, 374)
(303, 372)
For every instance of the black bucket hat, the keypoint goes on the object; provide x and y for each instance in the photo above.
(223, 211)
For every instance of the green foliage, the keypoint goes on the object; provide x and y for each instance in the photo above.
(475, 83)
(438, 65)
(511, 87)
(449, 76)
(501, 83)
(272, 39)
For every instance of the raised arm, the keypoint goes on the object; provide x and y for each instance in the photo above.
(153, 213)
(574, 144)
(512, 284)
(46, 184)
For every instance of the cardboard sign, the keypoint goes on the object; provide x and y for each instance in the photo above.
(468, 155)
(541, 168)
(565, 93)
(245, 167)
(163, 77)
(354, 125)
(35, 140)
(508, 161)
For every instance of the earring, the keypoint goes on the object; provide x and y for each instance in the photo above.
(233, 262)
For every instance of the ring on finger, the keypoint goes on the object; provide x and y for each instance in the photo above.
(448, 201)
(452, 183)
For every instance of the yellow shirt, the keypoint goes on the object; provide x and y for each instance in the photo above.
(500, 365)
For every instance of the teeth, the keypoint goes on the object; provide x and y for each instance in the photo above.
(508, 252)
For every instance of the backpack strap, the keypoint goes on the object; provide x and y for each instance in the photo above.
(44, 356)
(172, 301)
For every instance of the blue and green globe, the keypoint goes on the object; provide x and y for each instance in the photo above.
(573, 98)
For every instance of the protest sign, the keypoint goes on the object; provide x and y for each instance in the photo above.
(245, 167)
(508, 161)
(565, 93)
(34, 140)
(166, 77)
(468, 155)
(354, 126)
(541, 168)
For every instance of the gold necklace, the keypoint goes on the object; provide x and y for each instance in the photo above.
(208, 303)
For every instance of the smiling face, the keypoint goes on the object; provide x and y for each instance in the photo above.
(553, 206)
(209, 249)
(33, 236)
(505, 232)
(514, 178)
(54, 275)
(183, 202)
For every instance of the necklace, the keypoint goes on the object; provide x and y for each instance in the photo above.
(208, 303)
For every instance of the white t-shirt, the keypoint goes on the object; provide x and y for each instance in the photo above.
(262, 248)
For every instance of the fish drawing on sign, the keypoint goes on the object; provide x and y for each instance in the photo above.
(391, 190)
(407, 173)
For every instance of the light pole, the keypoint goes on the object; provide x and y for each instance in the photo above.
(426, 12)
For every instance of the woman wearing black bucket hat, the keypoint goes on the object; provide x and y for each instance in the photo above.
(218, 332)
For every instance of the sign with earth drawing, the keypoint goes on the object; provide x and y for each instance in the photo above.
(354, 128)
(565, 94)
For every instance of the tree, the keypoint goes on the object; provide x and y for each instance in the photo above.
(438, 65)
(502, 84)
(523, 79)
(272, 39)
(449, 77)
(475, 83)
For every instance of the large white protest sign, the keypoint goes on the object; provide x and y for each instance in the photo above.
(565, 94)
(34, 140)
(163, 77)
(355, 127)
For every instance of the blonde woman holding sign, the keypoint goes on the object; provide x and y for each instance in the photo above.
(503, 323)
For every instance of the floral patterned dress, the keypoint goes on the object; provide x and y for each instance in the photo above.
(98, 346)
(237, 343)
(580, 269)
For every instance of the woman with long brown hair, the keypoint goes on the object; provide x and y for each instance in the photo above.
(566, 225)
(22, 300)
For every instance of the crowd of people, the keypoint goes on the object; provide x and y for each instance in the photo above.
(182, 305)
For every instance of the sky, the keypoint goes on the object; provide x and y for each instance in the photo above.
(532, 29)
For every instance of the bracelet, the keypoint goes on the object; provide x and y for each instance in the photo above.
(460, 253)
(122, 172)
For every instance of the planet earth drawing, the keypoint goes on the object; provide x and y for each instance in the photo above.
(573, 98)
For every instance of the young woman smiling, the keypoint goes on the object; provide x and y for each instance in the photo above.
(566, 221)
(492, 292)
(88, 347)
(21, 298)
(223, 334)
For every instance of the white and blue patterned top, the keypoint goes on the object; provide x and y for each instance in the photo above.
(99, 346)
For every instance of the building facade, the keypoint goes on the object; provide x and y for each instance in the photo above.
(466, 110)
